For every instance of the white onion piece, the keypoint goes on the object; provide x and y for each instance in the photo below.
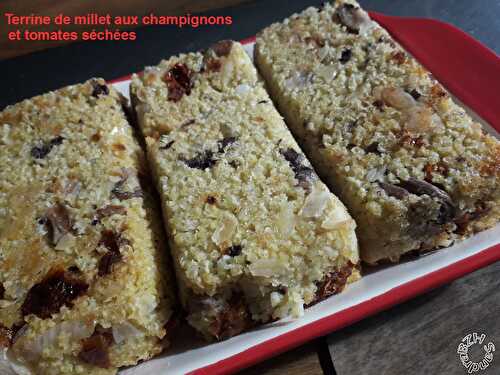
(297, 80)
(286, 219)
(124, 331)
(266, 267)
(337, 218)
(376, 174)
(315, 202)
(225, 230)
(242, 89)
(327, 72)
(31, 350)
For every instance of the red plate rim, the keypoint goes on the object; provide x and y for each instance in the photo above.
(353, 314)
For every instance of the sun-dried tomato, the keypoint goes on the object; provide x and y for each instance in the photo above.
(179, 83)
(379, 104)
(211, 64)
(439, 167)
(233, 319)
(222, 48)
(399, 57)
(56, 290)
(333, 282)
(95, 349)
(463, 221)
(107, 261)
(98, 89)
(112, 241)
(5, 336)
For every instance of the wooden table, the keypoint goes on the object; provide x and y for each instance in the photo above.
(418, 337)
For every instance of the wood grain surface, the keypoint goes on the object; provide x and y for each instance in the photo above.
(77, 7)
(422, 335)
(300, 361)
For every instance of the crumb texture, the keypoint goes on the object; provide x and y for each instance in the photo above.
(415, 171)
(83, 281)
(253, 231)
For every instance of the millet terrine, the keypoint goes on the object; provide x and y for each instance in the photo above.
(414, 170)
(255, 235)
(84, 282)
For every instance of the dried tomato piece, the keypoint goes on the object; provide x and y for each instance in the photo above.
(178, 81)
(211, 64)
(98, 89)
(407, 140)
(333, 282)
(437, 91)
(6, 335)
(399, 57)
(439, 167)
(111, 241)
(211, 200)
(222, 48)
(282, 289)
(95, 349)
(463, 221)
(233, 320)
(56, 290)
(379, 104)
(319, 41)
(107, 262)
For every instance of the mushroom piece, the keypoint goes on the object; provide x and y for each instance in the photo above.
(447, 210)
(59, 222)
(352, 17)
(393, 190)
(397, 98)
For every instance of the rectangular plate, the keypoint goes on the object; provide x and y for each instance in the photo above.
(379, 289)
